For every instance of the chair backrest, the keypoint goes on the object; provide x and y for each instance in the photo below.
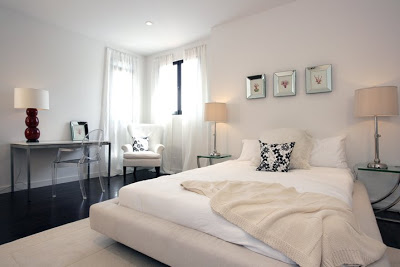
(153, 131)
(91, 144)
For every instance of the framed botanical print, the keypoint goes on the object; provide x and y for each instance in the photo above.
(319, 79)
(79, 129)
(285, 83)
(255, 86)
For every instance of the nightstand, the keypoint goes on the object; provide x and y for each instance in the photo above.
(210, 158)
(389, 170)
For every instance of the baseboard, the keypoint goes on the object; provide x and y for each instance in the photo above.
(41, 183)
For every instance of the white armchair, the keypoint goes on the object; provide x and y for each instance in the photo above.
(150, 158)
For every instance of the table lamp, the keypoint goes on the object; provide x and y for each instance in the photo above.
(375, 102)
(215, 112)
(32, 100)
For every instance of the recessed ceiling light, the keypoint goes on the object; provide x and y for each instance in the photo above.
(149, 23)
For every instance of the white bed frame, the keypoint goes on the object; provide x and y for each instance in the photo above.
(176, 245)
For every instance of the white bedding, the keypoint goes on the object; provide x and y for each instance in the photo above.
(164, 198)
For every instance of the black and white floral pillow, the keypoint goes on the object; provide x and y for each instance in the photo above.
(275, 157)
(140, 144)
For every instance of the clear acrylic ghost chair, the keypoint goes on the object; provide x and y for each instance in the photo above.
(90, 153)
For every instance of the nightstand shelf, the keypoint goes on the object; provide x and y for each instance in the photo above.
(390, 169)
(211, 158)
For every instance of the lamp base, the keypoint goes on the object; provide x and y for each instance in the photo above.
(32, 141)
(374, 165)
(215, 154)
(32, 133)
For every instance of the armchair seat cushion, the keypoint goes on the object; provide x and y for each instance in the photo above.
(141, 155)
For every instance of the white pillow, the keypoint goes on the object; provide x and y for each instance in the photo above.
(329, 152)
(302, 149)
(250, 149)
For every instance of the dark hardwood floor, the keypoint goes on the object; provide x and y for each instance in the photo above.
(390, 231)
(20, 218)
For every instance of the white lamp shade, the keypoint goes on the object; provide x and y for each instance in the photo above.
(31, 98)
(215, 112)
(376, 101)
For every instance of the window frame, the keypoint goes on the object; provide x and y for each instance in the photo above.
(178, 64)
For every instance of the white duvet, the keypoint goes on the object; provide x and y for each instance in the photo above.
(165, 198)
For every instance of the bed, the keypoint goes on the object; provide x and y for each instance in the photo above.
(162, 220)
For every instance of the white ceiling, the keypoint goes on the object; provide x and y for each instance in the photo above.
(122, 22)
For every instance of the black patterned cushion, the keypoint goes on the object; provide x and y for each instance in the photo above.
(140, 144)
(275, 157)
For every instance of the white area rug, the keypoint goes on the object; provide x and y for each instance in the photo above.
(75, 244)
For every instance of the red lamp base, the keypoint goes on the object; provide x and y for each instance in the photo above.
(32, 133)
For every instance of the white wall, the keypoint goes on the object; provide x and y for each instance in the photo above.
(69, 65)
(360, 38)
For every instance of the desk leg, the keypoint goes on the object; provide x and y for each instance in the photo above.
(210, 160)
(12, 168)
(109, 162)
(28, 171)
(198, 162)
(88, 167)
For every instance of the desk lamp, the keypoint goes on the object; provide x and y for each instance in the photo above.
(215, 112)
(375, 102)
(32, 100)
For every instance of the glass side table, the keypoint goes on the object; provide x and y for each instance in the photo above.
(390, 169)
(210, 158)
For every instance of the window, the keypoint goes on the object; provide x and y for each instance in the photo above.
(121, 100)
(179, 86)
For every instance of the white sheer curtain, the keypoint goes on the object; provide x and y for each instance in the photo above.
(163, 103)
(120, 103)
(194, 95)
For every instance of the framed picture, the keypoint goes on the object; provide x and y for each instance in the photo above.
(319, 79)
(79, 129)
(255, 86)
(285, 83)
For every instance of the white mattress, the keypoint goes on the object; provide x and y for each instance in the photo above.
(163, 197)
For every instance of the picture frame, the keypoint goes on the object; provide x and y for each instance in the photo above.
(79, 129)
(285, 83)
(256, 86)
(319, 79)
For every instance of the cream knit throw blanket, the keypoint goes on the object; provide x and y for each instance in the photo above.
(311, 229)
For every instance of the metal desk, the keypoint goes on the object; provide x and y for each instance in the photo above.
(48, 144)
